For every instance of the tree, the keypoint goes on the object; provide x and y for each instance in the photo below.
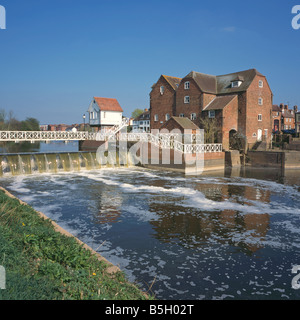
(30, 124)
(211, 129)
(136, 113)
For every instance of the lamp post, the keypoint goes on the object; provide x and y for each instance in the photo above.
(83, 122)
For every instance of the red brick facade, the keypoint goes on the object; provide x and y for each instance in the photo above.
(162, 100)
(248, 110)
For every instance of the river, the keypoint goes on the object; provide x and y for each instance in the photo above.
(214, 236)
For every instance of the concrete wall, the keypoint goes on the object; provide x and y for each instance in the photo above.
(274, 159)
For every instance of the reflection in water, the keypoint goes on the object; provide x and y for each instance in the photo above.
(215, 236)
(109, 207)
(193, 228)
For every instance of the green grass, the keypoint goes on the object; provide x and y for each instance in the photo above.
(42, 264)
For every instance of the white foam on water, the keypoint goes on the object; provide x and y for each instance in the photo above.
(18, 185)
(196, 199)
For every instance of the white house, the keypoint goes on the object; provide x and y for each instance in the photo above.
(104, 113)
(142, 122)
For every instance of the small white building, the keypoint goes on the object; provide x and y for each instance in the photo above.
(142, 122)
(104, 113)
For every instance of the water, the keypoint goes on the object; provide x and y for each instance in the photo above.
(41, 147)
(206, 237)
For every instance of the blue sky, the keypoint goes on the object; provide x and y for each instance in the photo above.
(56, 55)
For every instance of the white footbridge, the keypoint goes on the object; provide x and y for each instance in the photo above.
(182, 143)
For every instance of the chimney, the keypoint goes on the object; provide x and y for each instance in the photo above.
(146, 110)
(281, 106)
(286, 107)
(295, 109)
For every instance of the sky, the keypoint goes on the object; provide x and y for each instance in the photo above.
(56, 55)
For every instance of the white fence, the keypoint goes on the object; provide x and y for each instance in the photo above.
(190, 143)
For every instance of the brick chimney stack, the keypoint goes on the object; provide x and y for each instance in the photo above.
(296, 109)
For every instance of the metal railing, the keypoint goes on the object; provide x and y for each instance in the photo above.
(178, 142)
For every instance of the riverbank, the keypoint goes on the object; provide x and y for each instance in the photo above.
(44, 262)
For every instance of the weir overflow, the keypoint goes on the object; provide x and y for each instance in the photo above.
(34, 163)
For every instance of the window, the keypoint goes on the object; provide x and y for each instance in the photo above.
(186, 99)
(193, 116)
(235, 84)
(186, 85)
(167, 117)
(211, 113)
(156, 117)
(260, 83)
(181, 115)
(162, 90)
(259, 117)
(260, 101)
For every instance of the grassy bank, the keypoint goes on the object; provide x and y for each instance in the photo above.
(43, 264)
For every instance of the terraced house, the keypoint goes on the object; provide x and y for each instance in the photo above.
(241, 102)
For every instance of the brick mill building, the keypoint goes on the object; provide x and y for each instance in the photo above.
(240, 102)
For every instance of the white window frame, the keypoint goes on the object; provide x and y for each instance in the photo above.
(167, 116)
(259, 117)
(187, 85)
(260, 84)
(193, 116)
(260, 101)
(181, 115)
(235, 84)
(156, 117)
(162, 90)
(211, 114)
(187, 99)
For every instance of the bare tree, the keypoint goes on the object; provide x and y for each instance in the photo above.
(211, 129)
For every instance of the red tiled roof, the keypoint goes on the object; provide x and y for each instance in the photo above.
(108, 104)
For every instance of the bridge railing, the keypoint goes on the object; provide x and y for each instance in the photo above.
(176, 141)
(19, 136)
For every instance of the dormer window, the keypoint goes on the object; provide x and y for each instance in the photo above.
(162, 90)
(187, 85)
(235, 83)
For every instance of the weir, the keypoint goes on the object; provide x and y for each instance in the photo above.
(34, 163)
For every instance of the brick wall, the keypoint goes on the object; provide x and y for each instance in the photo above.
(229, 121)
(195, 104)
(161, 104)
(253, 109)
